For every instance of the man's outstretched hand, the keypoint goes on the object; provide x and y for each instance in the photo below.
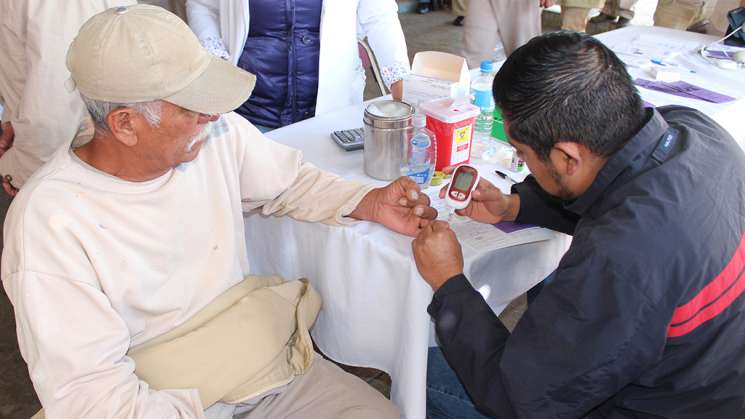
(401, 206)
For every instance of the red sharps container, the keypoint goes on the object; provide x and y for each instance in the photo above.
(451, 120)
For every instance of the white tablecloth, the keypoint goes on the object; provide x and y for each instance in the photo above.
(374, 311)
(690, 65)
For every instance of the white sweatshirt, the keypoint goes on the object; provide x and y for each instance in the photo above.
(94, 264)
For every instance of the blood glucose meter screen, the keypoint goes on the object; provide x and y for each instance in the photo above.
(463, 181)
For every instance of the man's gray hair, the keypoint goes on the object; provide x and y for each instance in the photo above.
(99, 110)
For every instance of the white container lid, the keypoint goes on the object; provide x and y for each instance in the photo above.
(450, 110)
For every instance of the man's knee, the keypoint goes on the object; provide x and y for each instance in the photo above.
(361, 401)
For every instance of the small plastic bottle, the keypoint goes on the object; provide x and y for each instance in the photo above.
(421, 153)
(481, 90)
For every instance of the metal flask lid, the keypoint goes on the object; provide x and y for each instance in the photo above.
(388, 114)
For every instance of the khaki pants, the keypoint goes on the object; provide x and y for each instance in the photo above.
(459, 7)
(574, 18)
(324, 391)
(622, 8)
(682, 14)
(488, 21)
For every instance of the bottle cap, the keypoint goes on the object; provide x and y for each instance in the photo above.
(486, 66)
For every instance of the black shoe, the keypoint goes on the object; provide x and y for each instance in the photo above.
(603, 18)
(422, 8)
(459, 21)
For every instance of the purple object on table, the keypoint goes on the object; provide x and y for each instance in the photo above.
(718, 54)
(684, 89)
(510, 227)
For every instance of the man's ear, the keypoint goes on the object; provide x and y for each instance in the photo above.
(567, 157)
(121, 122)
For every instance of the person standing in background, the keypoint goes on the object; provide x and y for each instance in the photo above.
(619, 12)
(459, 10)
(514, 22)
(684, 14)
(40, 114)
(302, 70)
(575, 13)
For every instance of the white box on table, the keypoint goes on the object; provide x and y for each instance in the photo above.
(435, 75)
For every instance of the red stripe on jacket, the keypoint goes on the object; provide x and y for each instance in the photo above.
(714, 298)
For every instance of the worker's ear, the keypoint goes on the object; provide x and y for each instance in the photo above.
(123, 124)
(567, 157)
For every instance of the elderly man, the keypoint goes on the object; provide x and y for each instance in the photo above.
(125, 255)
(644, 316)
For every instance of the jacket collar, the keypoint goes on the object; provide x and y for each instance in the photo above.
(630, 158)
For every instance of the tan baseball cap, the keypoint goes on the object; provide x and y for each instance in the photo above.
(143, 53)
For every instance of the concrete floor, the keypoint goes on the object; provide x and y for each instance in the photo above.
(432, 31)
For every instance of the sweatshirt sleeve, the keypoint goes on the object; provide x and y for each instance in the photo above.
(378, 20)
(75, 346)
(274, 178)
(539, 208)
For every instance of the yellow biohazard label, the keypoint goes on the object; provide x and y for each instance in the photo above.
(461, 144)
(462, 134)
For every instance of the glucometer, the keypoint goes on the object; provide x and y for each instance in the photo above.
(464, 181)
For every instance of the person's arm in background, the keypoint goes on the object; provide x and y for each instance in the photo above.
(378, 20)
(204, 21)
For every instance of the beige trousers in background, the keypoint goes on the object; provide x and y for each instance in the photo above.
(576, 13)
(682, 14)
(488, 21)
(324, 391)
(460, 7)
(622, 8)
(179, 7)
(574, 18)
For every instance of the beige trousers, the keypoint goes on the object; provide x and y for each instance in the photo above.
(682, 14)
(460, 7)
(512, 21)
(574, 18)
(324, 391)
(622, 8)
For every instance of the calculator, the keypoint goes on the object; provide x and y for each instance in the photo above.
(349, 139)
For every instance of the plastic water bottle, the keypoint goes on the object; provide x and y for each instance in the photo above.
(481, 90)
(421, 153)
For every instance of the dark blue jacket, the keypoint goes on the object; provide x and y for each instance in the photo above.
(644, 318)
(282, 50)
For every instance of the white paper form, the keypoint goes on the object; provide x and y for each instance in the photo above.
(477, 237)
(641, 50)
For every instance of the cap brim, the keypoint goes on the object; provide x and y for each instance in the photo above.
(221, 88)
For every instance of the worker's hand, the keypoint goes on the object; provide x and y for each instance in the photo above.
(8, 187)
(401, 206)
(437, 254)
(488, 204)
(7, 137)
(546, 3)
(397, 90)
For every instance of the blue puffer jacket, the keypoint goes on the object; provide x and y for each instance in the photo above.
(282, 50)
